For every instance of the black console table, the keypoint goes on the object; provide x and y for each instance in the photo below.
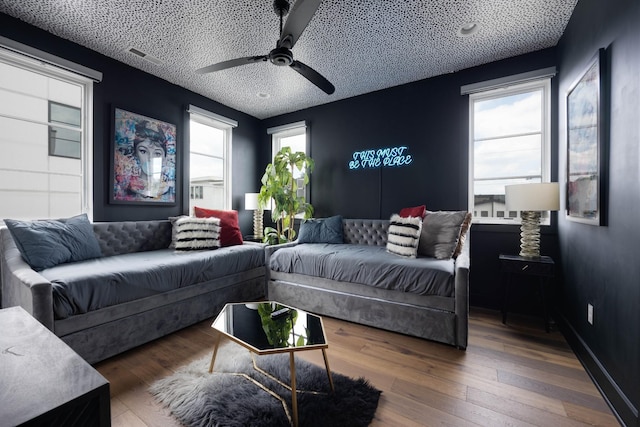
(44, 382)
(542, 267)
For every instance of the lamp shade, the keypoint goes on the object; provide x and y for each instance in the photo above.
(533, 197)
(251, 201)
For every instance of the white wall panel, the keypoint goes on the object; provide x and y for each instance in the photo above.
(23, 181)
(23, 205)
(23, 81)
(65, 165)
(64, 205)
(23, 106)
(65, 183)
(65, 93)
(24, 145)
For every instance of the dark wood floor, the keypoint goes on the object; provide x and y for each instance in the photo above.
(514, 375)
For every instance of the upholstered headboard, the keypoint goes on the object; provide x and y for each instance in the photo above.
(123, 237)
(365, 231)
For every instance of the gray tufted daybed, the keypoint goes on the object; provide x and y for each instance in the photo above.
(139, 290)
(360, 281)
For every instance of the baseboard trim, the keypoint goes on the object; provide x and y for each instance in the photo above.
(621, 406)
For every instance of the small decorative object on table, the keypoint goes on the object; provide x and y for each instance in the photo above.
(251, 204)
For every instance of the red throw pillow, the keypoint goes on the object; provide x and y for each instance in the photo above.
(418, 211)
(230, 233)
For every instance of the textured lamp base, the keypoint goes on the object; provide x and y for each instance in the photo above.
(257, 224)
(530, 234)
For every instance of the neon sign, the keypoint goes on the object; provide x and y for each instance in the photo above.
(382, 157)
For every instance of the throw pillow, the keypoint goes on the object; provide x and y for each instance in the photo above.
(47, 243)
(466, 224)
(230, 233)
(195, 234)
(404, 235)
(321, 230)
(414, 211)
(174, 229)
(441, 233)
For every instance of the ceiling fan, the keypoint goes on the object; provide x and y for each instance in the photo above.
(301, 14)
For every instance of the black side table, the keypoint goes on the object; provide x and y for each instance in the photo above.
(542, 267)
(43, 381)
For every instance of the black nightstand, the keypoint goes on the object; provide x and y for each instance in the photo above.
(252, 238)
(542, 267)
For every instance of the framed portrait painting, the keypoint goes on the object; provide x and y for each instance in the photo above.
(144, 160)
(586, 124)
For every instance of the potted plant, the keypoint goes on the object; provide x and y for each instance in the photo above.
(280, 185)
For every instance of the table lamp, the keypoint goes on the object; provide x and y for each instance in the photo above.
(251, 204)
(531, 200)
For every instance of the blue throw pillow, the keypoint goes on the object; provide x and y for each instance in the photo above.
(46, 243)
(325, 230)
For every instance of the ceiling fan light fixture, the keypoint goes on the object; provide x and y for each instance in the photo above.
(281, 56)
(468, 29)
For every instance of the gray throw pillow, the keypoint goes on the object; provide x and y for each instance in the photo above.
(321, 230)
(441, 232)
(47, 243)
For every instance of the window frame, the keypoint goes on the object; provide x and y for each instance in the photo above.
(226, 125)
(36, 61)
(286, 131)
(543, 84)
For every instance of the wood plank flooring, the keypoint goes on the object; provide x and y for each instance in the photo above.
(513, 375)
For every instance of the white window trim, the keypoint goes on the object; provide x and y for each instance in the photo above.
(292, 129)
(225, 124)
(47, 67)
(512, 89)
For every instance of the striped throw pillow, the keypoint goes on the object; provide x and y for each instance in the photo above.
(195, 234)
(404, 235)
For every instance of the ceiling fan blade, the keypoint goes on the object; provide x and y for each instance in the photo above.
(299, 17)
(231, 63)
(314, 77)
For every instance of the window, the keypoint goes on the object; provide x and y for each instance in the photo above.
(46, 140)
(509, 144)
(209, 159)
(65, 130)
(197, 192)
(294, 136)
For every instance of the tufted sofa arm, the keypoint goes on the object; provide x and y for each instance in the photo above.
(25, 287)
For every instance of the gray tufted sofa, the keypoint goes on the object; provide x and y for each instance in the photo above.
(102, 333)
(434, 317)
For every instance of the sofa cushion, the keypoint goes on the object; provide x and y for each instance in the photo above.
(46, 243)
(441, 232)
(321, 230)
(196, 234)
(103, 282)
(230, 233)
(404, 235)
(369, 265)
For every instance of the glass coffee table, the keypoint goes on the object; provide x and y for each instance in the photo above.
(269, 327)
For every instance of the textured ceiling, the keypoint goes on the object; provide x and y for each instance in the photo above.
(359, 45)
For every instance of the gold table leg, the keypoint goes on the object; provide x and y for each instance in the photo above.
(326, 365)
(215, 351)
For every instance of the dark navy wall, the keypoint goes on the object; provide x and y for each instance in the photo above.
(431, 118)
(126, 87)
(601, 264)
